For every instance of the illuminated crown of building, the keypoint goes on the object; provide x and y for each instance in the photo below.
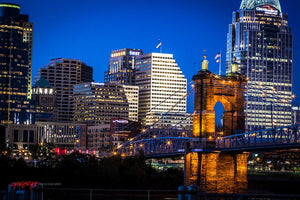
(252, 4)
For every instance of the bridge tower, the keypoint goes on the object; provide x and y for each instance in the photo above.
(217, 172)
(210, 89)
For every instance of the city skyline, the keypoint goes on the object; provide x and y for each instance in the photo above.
(90, 31)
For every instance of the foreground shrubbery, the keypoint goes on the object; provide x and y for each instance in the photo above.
(79, 170)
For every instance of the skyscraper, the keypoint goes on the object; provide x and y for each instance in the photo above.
(162, 93)
(260, 40)
(122, 66)
(97, 103)
(15, 65)
(63, 74)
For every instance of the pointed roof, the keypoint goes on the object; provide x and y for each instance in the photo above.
(42, 83)
(252, 4)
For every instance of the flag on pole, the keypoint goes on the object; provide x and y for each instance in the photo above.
(159, 44)
(218, 57)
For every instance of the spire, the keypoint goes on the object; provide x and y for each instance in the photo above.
(204, 62)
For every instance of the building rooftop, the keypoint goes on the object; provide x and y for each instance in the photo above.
(252, 4)
(9, 5)
(42, 83)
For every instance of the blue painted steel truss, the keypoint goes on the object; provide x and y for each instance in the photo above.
(277, 138)
(165, 146)
(156, 147)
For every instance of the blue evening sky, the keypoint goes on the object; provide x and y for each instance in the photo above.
(89, 30)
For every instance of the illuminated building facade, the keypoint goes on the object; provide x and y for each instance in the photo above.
(122, 129)
(162, 87)
(296, 114)
(63, 74)
(182, 121)
(261, 41)
(122, 66)
(15, 66)
(63, 135)
(132, 95)
(44, 97)
(97, 103)
(22, 136)
(98, 137)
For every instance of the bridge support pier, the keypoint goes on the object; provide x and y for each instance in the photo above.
(217, 172)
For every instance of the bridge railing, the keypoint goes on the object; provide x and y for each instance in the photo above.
(289, 135)
(155, 146)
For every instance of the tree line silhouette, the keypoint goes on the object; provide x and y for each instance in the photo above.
(86, 171)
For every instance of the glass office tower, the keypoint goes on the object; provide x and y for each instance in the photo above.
(97, 103)
(121, 67)
(15, 66)
(260, 40)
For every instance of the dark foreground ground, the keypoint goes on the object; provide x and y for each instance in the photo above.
(274, 184)
(136, 179)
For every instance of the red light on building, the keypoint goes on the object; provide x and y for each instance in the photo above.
(57, 151)
(64, 151)
(80, 151)
(60, 151)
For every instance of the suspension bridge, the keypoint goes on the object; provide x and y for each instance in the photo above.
(216, 163)
(162, 143)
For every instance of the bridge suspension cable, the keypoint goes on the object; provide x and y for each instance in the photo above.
(146, 133)
(171, 95)
(274, 100)
(246, 94)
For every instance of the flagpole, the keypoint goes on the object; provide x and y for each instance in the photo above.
(161, 47)
(220, 64)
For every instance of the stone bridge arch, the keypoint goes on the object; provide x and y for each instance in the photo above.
(211, 88)
(217, 172)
